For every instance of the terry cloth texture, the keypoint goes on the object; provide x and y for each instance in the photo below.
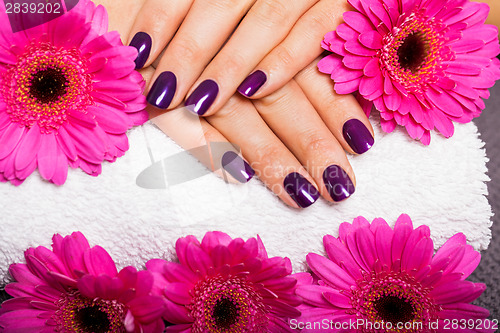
(442, 185)
(488, 271)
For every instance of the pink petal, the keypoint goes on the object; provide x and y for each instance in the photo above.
(462, 68)
(337, 299)
(372, 68)
(393, 101)
(197, 259)
(61, 170)
(357, 21)
(388, 125)
(73, 249)
(98, 261)
(9, 139)
(371, 39)
(47, 156)
(346, 32)
(463, 310)
(339, 254)
(457, 292)
(329, 272)
(176, 314)
(147, 308)
(355, 47)
(347, 87)
(445, 102)
(213, 239)
(28, 148)
(111, 120)
(355, 62)
(66, 144)
(369, 85)
(442, 123)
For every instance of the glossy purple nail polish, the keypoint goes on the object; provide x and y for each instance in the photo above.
(252, 83)
(338, 183)
(163, 90)
(202, 97)
(357, 136)
(300, 190)
(237, 167)
(142, 42)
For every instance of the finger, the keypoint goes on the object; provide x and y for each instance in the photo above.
(297, 51)
(154, 27)
(205, 29)
(205, 143)
(264, 27)
(274, 164)
(118, 21)
(297, 124)
(341, 113)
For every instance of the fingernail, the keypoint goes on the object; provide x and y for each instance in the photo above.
(300, 190)
(338, 183)
(237, 167)
(202, 97)
(163, 90)
(252, 83)
(142, 42)
(357, 136)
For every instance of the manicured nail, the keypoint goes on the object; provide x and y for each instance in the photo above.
(300, 190)
(202, 97)
(163, 90)
(357, 136)
(338, 183)
(142, 42)
(237, 167)
(252, 83)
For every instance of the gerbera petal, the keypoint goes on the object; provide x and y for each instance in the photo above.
(347, 87)
(393, 101)
(146, 308)
(372, 68)
(47, 156)
(371, 39)
(329, 272)
(110, 120)
(98, 261)
(457, 292)
(28, 148)
(198, 260)
(357, 21)
(339, 254)
(9, 139)
(355, 62)
(369, 85)
(445, 102)
(463, 310)
(355, 47)
(388, 125)
(346, 32)
(442, 123)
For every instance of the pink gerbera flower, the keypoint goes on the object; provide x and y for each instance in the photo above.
(75, 288)
(226, 285)
(378, 276)
(68, 94)
(422, 63)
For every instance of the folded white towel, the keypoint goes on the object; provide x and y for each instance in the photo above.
(442, 185)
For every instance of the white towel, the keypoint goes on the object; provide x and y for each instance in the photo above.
(442, 185)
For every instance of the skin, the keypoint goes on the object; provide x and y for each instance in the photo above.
(294, 123)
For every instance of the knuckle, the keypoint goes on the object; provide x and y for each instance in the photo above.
(320, 23)
(285, 55)
(185, 48)
(273, 12)
(231, 64)
(311, 142)
(269, 156)
(225, 4)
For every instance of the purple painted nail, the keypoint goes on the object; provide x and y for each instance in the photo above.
(163, 90)
(252, 83)
(202, 97)
(142, 42)
(300, 190)
(357, 136)
(237, 167)
(338, 183)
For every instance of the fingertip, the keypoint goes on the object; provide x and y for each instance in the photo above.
(143, 43)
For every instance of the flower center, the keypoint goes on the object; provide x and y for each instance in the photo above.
(228, 304)
(44, 84)
(48, 85)
(77, 314)
(92, 319)
(393, 298)
(225, 313)
(394, 309)
(413, 52)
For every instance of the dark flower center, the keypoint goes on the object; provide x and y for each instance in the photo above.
(413, 51)
(48, 85)
(394, 309)
(92, 319)
(225, 313)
